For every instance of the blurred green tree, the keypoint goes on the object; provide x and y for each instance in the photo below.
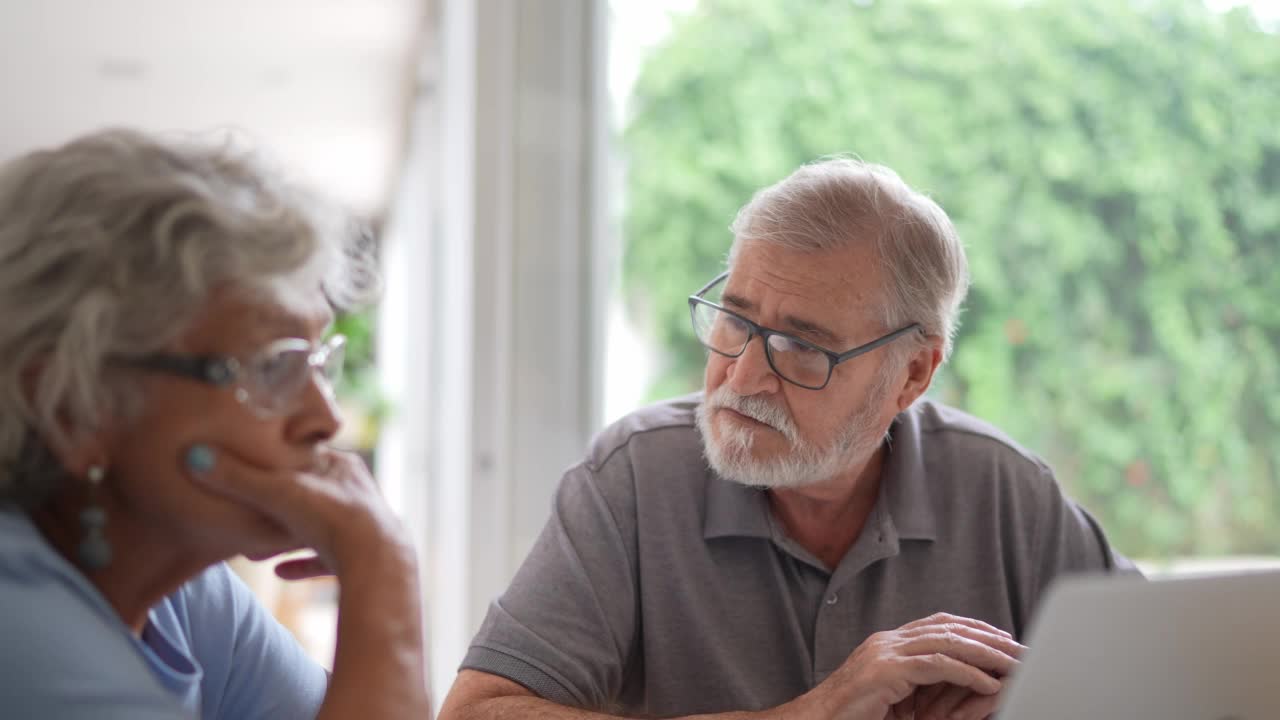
(365, 404)
(1114, 168)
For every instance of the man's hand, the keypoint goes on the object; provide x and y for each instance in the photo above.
(881, 677)
(944, 702)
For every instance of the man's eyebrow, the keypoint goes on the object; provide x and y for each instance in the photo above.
(737, 302)
(811, 328)
(793, 323)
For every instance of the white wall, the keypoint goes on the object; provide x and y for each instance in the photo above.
(321, 86)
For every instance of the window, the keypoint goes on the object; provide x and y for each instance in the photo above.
(1112, 167)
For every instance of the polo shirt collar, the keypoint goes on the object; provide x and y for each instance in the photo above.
(736, 510)
(904, 486)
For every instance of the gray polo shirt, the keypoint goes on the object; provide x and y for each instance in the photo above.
(658, 588)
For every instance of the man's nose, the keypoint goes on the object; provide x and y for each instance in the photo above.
(750, 372)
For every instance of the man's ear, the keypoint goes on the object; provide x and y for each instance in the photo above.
(921, 366)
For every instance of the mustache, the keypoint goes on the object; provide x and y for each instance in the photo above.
(757, 408)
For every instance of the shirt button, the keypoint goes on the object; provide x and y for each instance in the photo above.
(833, 599)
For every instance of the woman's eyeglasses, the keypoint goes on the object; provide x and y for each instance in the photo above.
(267, 381)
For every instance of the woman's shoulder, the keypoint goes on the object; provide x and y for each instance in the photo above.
(34, 577)
(64, 650)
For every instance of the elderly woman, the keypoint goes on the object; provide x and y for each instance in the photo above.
(166, 403)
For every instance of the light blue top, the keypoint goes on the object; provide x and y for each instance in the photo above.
(208, 650)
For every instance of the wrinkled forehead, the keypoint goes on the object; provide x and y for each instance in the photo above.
(297, 294)
(294, 296)
(838, 290)
(302, 308)
(241, 318)
(852, 273)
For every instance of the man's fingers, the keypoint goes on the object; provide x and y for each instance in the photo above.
(1002, 643)
(905, 710)
(964, 649)
(949, 619)
(926, 695)
(941, 704)
(977, 707)
(303, 569)
(940, 668)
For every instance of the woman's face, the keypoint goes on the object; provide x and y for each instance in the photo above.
(147, 479)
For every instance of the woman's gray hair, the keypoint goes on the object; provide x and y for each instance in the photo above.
(836, 202)
(109, 247)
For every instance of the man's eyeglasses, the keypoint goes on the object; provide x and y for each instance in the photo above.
(797, 361)
(269, 381)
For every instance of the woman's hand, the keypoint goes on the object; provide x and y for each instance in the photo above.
(332, 507)
(306, 567)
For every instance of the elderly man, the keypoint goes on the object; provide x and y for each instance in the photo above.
(809, 538)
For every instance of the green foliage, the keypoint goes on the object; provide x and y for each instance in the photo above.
(1114, 168)
(358, 327)
(358, 388)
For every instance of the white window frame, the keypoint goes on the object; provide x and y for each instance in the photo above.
(498, 264)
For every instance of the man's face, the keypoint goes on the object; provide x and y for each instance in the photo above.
(759, 429)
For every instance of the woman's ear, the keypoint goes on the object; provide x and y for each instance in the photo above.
(79, 454)
(76, 449)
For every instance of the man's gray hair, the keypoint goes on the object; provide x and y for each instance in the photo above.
(109, 247)
(836, 202)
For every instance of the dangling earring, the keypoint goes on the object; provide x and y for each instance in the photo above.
(94, 550)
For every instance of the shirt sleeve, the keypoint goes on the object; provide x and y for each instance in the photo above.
(105, 706)
(65, 654)
(565, 628)
(1068, 540)
(253, 666)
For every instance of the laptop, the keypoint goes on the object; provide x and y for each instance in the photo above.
(1192, 648)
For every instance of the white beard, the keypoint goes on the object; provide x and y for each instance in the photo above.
(729, 454)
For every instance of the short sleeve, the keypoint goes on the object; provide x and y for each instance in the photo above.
(566, 625)
(1069, 540)
(253, 666)
(65, 655)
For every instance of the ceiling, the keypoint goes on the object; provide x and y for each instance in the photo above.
(323, 85)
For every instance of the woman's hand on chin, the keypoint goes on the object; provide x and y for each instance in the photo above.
(333, 508)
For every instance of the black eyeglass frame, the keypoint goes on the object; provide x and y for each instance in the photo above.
(226, 370)
(216, 370)
(755, 329)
